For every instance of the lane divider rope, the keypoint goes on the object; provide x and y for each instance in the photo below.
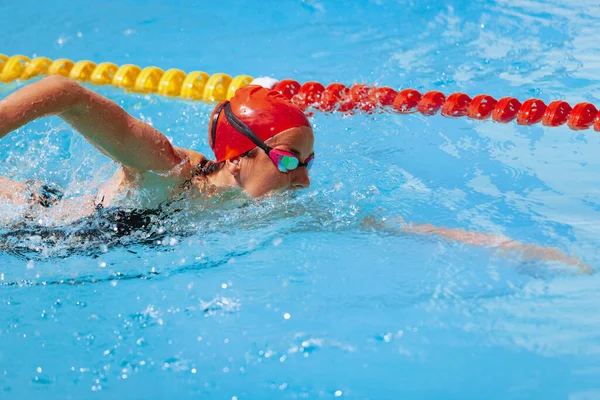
(196, 85)
(336, 97)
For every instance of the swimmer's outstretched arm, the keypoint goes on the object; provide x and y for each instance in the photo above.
(102, 122)
(499, 242)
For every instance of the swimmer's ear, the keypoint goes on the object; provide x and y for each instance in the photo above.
(233, 166)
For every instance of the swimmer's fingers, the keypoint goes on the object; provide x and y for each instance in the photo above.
(535, 252)
(586, 269)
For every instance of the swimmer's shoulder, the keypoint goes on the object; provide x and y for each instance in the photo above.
(194, 158)
(190, 159)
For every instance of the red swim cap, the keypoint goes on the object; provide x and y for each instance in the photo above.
(265, 111)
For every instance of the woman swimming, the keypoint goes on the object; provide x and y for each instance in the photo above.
(142, 150)
(262, 142)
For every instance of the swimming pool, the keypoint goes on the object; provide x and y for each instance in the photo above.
(298, 297)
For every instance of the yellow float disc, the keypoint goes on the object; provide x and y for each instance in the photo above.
(238, 82)
(193, 85)
(147, 81)
(216, 87)
(82, 70)
(104, 73)
(3, 60)
(126, 75)
(37, 66)
(62, 66)
(13, 68)
(170, 83)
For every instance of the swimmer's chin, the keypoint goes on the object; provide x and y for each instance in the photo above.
(231, 192)
(279, 194)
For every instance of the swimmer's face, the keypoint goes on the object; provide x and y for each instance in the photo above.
(258, 175)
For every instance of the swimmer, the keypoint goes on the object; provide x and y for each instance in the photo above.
(262, 143)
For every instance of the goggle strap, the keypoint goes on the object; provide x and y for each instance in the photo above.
(213, 128)
(244, 129)
(305, 164)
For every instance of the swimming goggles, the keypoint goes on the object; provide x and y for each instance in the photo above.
(283, 160)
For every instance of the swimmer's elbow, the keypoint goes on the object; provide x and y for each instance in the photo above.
(53, 95)
(59, 82)
(65, 91)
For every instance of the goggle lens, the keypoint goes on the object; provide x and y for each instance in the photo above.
(309, 163)
(288, 162)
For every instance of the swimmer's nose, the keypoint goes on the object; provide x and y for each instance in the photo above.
(300, 179)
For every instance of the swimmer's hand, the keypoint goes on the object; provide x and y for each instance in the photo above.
(505, 246)
(129, 141)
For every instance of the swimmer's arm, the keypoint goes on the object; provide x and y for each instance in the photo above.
(500, 242)
(108, 127)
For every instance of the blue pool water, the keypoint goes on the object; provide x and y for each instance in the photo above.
(298, 297)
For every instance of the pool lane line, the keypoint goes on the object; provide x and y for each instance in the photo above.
(336, 97)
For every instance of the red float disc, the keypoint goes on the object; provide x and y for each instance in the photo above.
(332, 97)
(431, 102)
(308, 95)
(287, 87)
(597, 123)
(456, 105)
(582, 116)
(383, 96)
(359, 96)
(481, 107)
(531, 112)
(506, 109)
(406, 101)
(556, 113)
